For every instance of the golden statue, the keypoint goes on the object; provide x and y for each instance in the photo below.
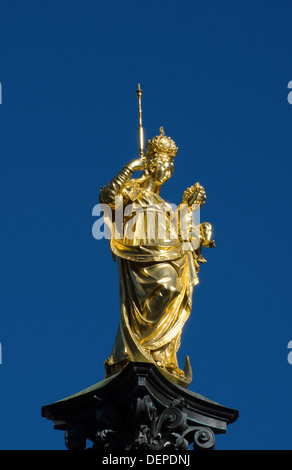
(158, 251)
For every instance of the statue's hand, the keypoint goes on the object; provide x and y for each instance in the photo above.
(137, 164)
(195, 195)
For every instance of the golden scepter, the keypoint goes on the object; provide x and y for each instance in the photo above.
(140, 129)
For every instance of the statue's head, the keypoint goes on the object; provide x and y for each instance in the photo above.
(206, 231)
(160, 153)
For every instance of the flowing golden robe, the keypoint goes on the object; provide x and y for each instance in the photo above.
(156, 276)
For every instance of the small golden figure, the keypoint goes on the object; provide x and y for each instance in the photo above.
(157, 264)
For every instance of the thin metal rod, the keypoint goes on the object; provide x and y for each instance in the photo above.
(140, 129)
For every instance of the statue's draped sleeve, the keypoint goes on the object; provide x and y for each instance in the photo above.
(114, 188)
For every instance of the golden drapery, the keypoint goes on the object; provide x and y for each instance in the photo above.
(156, 279)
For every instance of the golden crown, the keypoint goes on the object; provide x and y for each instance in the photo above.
(160, 147)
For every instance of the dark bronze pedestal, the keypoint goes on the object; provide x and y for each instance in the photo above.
(139, 409)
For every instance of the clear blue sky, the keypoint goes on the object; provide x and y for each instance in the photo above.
(215, 75)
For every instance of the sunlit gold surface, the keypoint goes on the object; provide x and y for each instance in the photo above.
(140, 129)
(157, 266)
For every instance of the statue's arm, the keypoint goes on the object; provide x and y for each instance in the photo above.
(114, 187)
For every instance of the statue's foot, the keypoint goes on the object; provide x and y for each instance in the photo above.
(173, 369)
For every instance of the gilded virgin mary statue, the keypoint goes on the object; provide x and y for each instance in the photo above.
(158, 252)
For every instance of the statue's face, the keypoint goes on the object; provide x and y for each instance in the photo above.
(207, 230)
(161, 172)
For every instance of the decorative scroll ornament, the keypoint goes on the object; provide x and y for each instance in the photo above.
(141, 426)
